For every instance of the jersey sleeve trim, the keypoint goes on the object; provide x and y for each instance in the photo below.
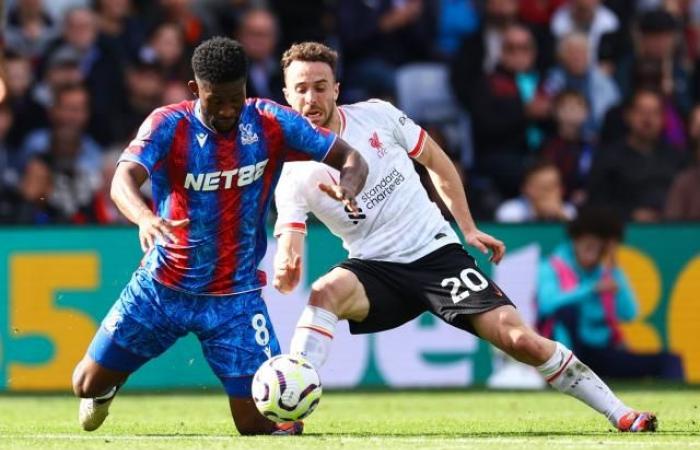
(325, 155)
(130, 157)
(343, 121)
(293, 227)
(418, 149)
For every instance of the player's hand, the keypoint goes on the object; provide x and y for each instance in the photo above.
(607, 284)
(153, 228)
(485, 242)
(287, 274)
(341, 194)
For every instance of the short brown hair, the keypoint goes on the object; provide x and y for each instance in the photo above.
(310, 52)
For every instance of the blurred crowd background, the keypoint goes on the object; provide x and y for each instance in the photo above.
(544, 106)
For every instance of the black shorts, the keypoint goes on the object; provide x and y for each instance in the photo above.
(446, 282)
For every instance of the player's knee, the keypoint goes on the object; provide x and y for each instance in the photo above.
(326, 295)
(520, 341)
(525, 345)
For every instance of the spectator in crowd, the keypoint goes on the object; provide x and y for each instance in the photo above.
(541, 199)
(480, 52)
(146, 85)
(537, 15)
(175, 92)
(29, 28)
(99, 64)
(569, 149)
(9, 179)
(27, 112)
(62, 69)
(454, 20)
(657, 41)
(258, 34)
(60, 180)
(68, 119)
(648, 74)
(683, 201)
(105, 210)
(633, 175)
(577, 73)
(507, 109)
(166, 46)
(120, 27)
(57, 8)
(301, 20)
(583, 296)
(692, 38)
(376, 37)
(688, 48)
(538, 12)
(589, 17)
(304, 20)
(196, 22)
(132, 56)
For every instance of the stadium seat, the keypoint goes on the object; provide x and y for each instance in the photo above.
(424, 94)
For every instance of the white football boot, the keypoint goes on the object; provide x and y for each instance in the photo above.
(93, 411)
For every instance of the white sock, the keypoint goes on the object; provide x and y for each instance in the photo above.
(313, 335)
(565, 373)
(107, 395)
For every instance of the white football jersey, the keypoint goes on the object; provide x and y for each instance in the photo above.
(397, 221)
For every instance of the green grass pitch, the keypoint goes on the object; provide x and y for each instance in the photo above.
(407, 420)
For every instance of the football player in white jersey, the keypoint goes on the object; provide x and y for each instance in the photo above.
(404, 258)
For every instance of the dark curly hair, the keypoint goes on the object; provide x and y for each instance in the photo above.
(219, 60)
(603, 223)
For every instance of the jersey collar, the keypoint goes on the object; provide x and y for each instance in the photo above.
(198, 115)
(343, 121)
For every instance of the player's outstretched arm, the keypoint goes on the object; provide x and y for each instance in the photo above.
(127, 180)
(449, 186)
(287, 263)
(353, 173)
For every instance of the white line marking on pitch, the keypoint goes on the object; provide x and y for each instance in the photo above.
(445, 442)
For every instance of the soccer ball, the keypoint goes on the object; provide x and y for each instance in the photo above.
(286, 388)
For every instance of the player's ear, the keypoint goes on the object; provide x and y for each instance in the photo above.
(285, 91)
(194, 87)
(336, 91)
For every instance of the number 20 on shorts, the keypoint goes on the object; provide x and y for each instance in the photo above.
(470, 280)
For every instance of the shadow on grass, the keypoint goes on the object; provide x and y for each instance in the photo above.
(503, 434)
(648, 386)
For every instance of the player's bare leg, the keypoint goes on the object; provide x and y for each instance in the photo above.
(335, 296)
(249, 421)
(96, 386)
(504, 328)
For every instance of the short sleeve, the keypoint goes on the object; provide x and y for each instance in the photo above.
(407, 133)
(151, 142)
(292, 209)
(298, 133)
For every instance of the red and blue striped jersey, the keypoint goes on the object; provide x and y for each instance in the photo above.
(223, 183)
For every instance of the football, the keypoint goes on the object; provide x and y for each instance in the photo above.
(286, 388)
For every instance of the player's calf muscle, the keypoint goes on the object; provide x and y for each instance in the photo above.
(504, 328)
(528, 347)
